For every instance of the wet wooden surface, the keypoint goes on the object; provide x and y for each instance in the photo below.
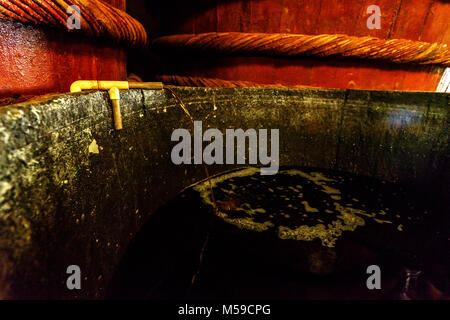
(35, 60)
(424, 20)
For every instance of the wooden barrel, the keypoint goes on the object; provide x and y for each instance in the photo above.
(419, 20)
(37, 60)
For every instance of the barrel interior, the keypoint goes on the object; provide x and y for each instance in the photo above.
(90, 193)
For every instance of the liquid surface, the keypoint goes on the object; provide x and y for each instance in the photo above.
(307, 204)
(303, 233)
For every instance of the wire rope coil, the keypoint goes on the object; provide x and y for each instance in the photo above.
(97, 18)
(296, 45)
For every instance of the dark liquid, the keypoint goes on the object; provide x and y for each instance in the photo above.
(303, 233)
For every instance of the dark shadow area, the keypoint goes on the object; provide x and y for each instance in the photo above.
(244, 264)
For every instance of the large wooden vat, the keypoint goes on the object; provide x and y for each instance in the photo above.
(36, 60)
(421, 20)
(76, 192)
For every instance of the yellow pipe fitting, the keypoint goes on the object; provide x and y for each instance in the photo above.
(81, 85)
(146, 85)
(114, 95)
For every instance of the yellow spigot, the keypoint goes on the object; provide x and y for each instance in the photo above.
(114, 93)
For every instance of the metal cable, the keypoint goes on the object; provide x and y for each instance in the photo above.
(297, 45)
(97, 18)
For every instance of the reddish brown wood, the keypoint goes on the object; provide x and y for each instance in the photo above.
(296, 72)
(119, 4)
(426, 20)
(36, 60)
